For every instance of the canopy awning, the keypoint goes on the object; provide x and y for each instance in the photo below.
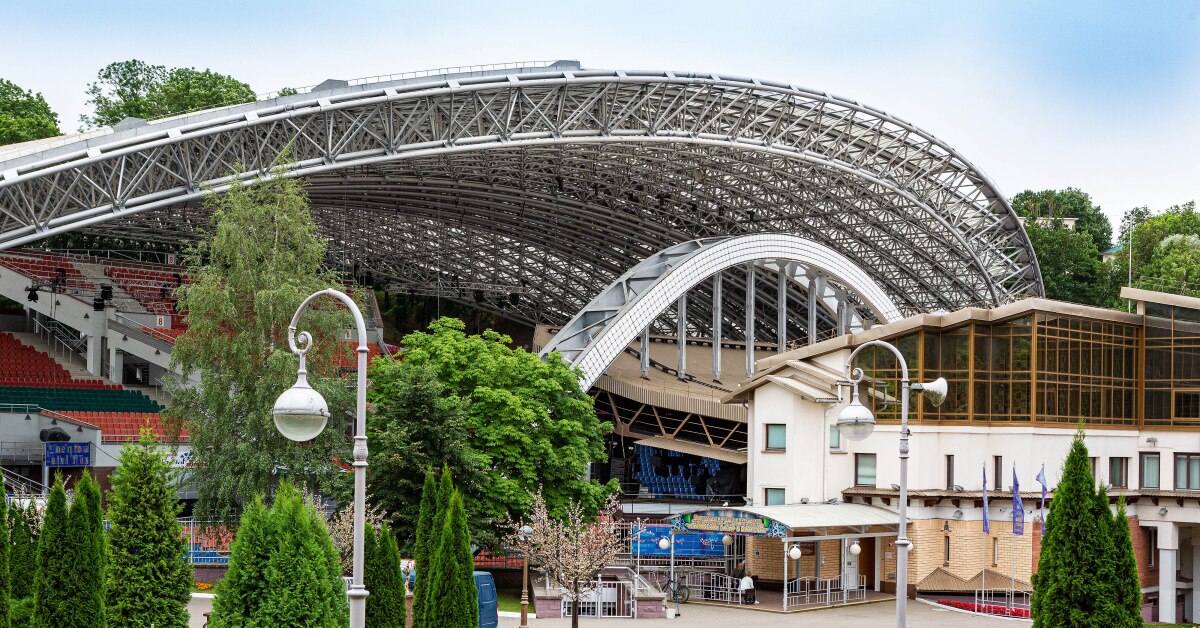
(695, 449)
(780, 520)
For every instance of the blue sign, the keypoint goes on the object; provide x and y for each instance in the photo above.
(645, 543)
(68, 454)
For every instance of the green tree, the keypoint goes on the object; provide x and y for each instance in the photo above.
(149, 578)
(261, 259)
(384, 581)
(453, 599)
(55, 582)
(283, 569)
(5, 587)
(1127, 586)
(1090, 220)
(1077, 551)
(1071, 266)
(24, 115)
(85, 548)
(24, 527)
(136, 89)
(1152, 231)
(424, 548)
(420, 427)
(527, 423)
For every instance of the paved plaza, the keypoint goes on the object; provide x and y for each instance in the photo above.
(695, 615)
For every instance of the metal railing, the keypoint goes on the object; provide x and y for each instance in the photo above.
(31, 452)
(62, 341)
(841, 588)
(713, 587)
(607, 598)
(1008, 599)
(146, 334)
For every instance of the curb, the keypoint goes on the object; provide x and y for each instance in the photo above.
(959, 610)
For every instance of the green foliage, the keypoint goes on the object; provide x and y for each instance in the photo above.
(453, 599)
(419, 428)
(425, 546)
(5, 588)
(525, 423)
(1071, 266)
(23, 526)
(283, 569)
(24, 115)
(1090, 220)
(261, 259)
(20, 613)
(52, 591)
(149, 579)
(1078, 581)
(136, 89)
(287, 91)
(1127, 590)
(384, 581)
(85, 550)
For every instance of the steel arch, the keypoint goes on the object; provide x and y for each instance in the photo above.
(517, 172)
(604, 329)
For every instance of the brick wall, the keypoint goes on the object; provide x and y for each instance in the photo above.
(1142, 551)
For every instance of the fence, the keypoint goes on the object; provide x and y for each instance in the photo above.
(841, 588)
(208, 543)
(607, 598)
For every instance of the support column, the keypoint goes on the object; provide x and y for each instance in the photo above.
(1195, 610)
(1168, 556)
(116, 365)
(94, 355)
(816, 290)
(717, 320)
(750, 320)
(681, 337)
(646, 353)
(841, 312)
(781, 309)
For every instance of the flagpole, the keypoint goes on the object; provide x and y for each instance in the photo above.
(983, 571)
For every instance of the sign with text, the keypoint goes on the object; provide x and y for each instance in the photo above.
(68, 454)
(732, 522)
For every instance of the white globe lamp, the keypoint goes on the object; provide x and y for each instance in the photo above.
(855, 421)
(795, 552)
(855, 549)
(664, 543)
(300, 413)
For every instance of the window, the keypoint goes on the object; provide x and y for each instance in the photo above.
(1187, 471)
(1149, 471)
(774, 497)
(864, 469)
(1092, 461)
(1118, 472)
(835, 437)
(995, 551)
(1152, 541)
(949, 473)
(947, 542)
(776, 437)
(998, 472)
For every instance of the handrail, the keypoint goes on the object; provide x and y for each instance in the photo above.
(124, 325)
(54, 333)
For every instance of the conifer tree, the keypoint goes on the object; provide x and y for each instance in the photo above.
(1076, 551)
(304, 573)
(5, 588)
(85, 549)
(148, 577)
(384, 580)
(453, 600)
(422, 554)
(24, 526)
(54, 577)
(1128, 593)
(244, 586)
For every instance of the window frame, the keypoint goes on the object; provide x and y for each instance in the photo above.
(858, 458)
(768, 490)
(1182, 483)
(1123, 463)
(1142, 457)
(998, 470)
(767, 437)
(949, 472)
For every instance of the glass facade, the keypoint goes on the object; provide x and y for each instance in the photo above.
(1172, 368)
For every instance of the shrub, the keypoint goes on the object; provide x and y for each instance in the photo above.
(453, 600)
(384, 581)
(55, 578)
(5, 589)
(20, 613)
(24, 526)
(85, 546)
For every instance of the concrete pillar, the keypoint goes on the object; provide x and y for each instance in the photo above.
(1168, 556)
(681, 337)
(116, 365)
(750, 320)
(94, 355)
(717, 320)
(646, 353)
(816, 290)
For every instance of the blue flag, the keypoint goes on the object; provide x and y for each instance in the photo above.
(1018, 513)
(1041, 478)
(987, 527)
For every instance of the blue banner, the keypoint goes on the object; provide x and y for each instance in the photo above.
(1018, 507)
(68, 454)
(987, 528)
(697, 545)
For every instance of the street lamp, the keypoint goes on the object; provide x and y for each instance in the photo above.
(301, 413)
(524, 534)
(856, 422)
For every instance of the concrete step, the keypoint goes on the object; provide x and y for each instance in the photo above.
(124, 301)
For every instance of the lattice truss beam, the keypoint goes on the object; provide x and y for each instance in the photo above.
(556, 183)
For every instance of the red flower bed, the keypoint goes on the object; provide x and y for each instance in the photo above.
(988, 609)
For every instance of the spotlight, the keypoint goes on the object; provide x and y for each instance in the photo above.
(98, 304)
(106, 293)
(33, 296)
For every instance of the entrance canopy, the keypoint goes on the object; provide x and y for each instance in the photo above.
(778, 521)
(696, 449)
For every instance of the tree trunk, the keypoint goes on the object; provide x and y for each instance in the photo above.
(575, 604)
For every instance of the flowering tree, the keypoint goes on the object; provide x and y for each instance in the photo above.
(341, 528)
(570, 549)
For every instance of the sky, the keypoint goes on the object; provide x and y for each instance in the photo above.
(1102, 96)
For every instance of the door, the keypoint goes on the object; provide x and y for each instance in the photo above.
(849, 565)
(866, 562)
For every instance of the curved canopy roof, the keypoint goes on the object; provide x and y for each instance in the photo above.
(528, 189)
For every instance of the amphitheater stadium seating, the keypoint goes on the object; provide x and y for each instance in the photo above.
(125, 426)
(153, 288)
(64, 399)
(23, 365)
(46, 267)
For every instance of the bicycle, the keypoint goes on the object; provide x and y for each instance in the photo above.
(678, 594)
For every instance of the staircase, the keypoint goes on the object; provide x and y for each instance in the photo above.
(75, 364)
(124, 301)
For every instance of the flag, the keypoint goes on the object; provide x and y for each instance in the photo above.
(1018, 512)
(1041, 478)
(987, 528)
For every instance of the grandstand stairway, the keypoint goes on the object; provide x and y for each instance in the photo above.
(76, 366)
(124, 301)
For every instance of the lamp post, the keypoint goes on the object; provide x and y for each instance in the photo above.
(301, 413)
(664, 543)
(524, 533)
(856, 422)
